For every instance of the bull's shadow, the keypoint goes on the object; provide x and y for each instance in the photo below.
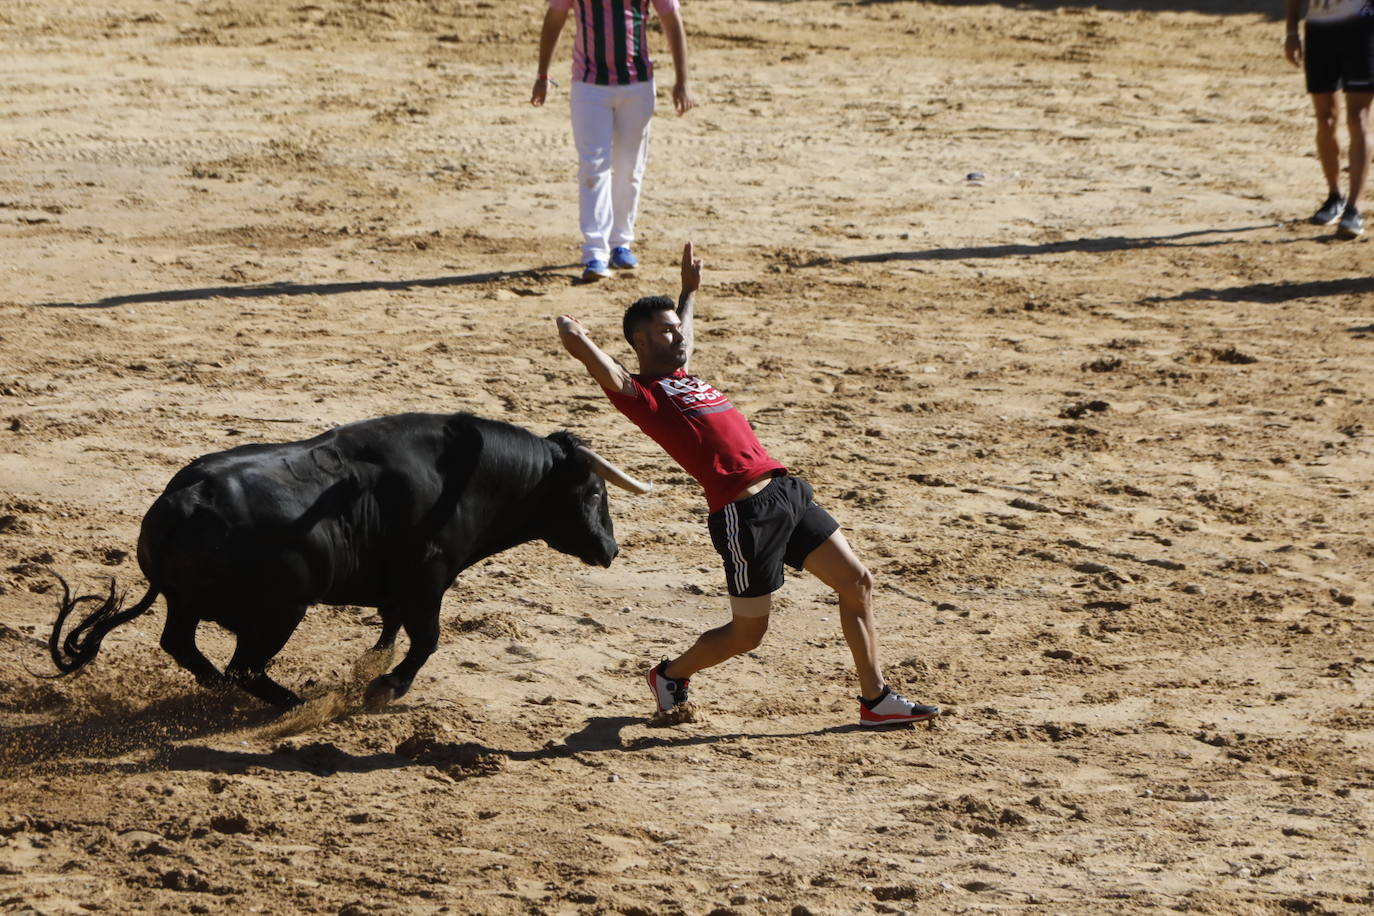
(102, 736)
(264, 290)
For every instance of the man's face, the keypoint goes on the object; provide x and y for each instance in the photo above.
(659, 343)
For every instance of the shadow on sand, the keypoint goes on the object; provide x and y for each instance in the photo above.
(1192, 238)
(107, 735)
(1278, 292)
(91, 745)
(264, 290)
(601, 734)
(1088, 245)
(1213, 7)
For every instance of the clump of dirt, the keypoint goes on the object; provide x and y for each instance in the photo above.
(457, 761)
(680, 714)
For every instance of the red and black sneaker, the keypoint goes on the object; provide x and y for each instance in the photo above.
(891, 708)
(668, 691)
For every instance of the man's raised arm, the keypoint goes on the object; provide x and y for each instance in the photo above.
(686, 299)
(607, 371)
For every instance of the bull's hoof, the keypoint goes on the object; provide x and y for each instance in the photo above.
(379, 694)
(215, 682)
(287, 701)
(259, 685)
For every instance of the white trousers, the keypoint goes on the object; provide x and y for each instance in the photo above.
(611, 130)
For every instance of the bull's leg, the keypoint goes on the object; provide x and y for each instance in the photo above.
(256, 647)
(422, 630)
(391, 625)
(179, 641)
(378, 658)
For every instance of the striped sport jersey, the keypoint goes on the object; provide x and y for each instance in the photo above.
(611, 47)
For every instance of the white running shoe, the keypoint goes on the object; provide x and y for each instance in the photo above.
(891, 708)
(668, 691)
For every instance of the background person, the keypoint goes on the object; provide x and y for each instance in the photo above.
(612, 99)
(1339, 55)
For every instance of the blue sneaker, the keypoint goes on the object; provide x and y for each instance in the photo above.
(594, 270)
(623, 259)
(1352, 224)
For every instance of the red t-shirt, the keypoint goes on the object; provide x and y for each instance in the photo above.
(699, 429)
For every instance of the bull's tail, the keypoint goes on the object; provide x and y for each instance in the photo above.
(83, 642)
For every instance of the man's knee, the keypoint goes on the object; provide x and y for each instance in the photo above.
(1326, 111)
(746, 633)
(594, 167)
(857, 589)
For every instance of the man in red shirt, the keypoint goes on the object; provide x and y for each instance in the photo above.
(761, 517)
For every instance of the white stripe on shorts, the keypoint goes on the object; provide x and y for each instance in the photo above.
(741, 576)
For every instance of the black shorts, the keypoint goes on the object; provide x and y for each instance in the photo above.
(754, 536)
(1340, 55)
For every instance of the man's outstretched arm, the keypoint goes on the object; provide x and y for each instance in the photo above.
(607, 371)
(686, 299)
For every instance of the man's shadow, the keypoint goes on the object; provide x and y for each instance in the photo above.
(1103, 244)
(1277, 292)
(600, 735)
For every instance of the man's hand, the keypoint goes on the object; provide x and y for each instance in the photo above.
(539, 93)
(609, 374)
(691, 269)
(683, 101)
(686, 300)
(677, 44)
(1292, 49)
(568, 326)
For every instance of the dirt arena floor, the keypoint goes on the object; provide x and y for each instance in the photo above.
(1024, 290)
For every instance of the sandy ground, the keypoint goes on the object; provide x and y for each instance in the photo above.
(1098, 421)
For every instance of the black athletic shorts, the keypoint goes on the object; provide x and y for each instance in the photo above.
(754, 536)
(1340, 55)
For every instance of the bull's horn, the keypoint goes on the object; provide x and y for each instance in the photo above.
(612, 474)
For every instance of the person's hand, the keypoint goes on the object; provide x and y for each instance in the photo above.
(691, 269)
(541, 91)
(682, 99)
(568, 326)
(1292, 49)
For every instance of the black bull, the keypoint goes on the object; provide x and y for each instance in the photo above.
(383, 513)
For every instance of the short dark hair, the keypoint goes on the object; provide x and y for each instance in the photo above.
(639, 312)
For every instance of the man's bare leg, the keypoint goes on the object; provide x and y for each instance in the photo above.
(744, 632)
(1357, 119)
(835, 564)
(1328, 141)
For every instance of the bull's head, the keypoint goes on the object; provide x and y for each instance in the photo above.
(581, 524)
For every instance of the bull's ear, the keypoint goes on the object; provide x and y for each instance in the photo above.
(612, 474)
